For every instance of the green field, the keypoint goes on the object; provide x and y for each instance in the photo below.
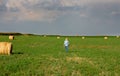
(46, 56)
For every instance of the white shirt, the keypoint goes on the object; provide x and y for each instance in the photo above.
(66, 42)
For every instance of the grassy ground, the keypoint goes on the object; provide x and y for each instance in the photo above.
(46, 56)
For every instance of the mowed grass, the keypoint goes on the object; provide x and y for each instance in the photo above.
(46, 56)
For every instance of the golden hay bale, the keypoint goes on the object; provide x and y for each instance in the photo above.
(5, 48)
(45, 35)
(117, 36)
(11, 37)
(58, 37)
(105, 37)
(83, 37)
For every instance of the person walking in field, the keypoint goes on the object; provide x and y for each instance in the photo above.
(66, 44)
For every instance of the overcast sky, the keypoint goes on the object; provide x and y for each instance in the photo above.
(63, 17)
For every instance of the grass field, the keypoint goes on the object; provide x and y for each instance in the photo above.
(46, 56)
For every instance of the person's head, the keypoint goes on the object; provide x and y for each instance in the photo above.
(66, 38)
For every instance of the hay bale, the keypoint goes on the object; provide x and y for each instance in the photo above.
(117, 36)
(83, 37)
(58, 37)
(105, 37)
(5, 48)
(11, 37)
(45, 35)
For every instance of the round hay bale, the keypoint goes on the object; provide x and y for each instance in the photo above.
(58, 37)
(11, 37)
(5, 48)
(117, 36)
(105, 37)
(45, 35)
(83, 37)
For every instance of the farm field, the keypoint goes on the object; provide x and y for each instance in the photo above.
(46, 56)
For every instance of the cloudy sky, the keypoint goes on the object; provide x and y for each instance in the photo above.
(63, 17)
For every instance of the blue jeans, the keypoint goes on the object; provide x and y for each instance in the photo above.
(66, 48)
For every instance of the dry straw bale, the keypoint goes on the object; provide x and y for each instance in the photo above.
(105, 37)
(5, 48)
(83, 37)
(11, 37)
(58, 37)
(45, 35)
(117, 36)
